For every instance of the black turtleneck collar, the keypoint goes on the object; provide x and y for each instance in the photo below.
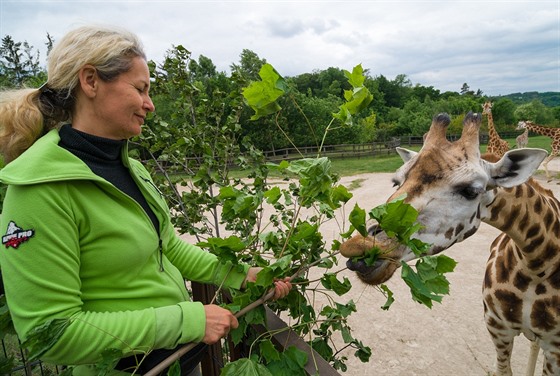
(103, 157)
(89, 146)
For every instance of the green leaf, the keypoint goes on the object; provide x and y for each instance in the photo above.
(330, 282)
(237, 203)
(346, 334)
(6, 364)
(341, 194)
(389, 294)
(356, 78)
(238, 333)
(6, 325)
(266, 276)
(109, 359)
(273, 195)
(314, 178)
(428, 283)
(68, 371)
(357, 99)
(261, 96)
(396, 218)
(363, 353)
(292, 362)
(174, 369)
(256, 316)
(245, 367)
(358, 219)
(268, 351)
(225, 248)
(41, 338)
(321, 345)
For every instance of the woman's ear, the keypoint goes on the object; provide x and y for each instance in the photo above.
(89, 80)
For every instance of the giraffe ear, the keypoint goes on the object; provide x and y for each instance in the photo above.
(405, 154)
(515, 167)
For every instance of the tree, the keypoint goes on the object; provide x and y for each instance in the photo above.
(535, 111)
(322, 83)
(416, 117)
(249, 65)
(424, 92)
(19, 64)
(466, 90)
(395, 92)
(503, 112)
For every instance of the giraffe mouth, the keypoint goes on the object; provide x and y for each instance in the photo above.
(387, 262)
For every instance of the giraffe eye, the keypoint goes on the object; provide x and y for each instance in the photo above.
(396, 183)
(469, 192)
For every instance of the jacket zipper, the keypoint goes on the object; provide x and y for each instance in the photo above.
(160, 245)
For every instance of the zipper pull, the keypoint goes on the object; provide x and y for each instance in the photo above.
(160, 255)
(152, 184)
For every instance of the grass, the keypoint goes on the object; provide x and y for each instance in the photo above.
(355, 166)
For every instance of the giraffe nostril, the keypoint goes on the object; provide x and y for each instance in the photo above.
(356, 265)
(360, 266)
(374, 229)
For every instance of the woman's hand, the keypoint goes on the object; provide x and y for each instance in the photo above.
(282, 287)
(219, 322)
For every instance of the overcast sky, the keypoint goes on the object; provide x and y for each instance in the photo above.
(499, 47)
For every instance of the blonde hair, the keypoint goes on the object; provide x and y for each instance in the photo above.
(27, 114)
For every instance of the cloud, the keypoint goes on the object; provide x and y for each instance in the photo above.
(498, 46)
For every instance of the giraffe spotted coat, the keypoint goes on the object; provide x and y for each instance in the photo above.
(553, 133)
(496, 145)
(521, 289)
(454, 189)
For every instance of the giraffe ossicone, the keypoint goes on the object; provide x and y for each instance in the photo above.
(454, 189)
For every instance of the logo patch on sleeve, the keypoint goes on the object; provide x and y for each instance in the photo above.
(16, 235)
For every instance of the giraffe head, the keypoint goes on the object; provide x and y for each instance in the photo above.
(487, 108)
(447, 183)
(522, 125)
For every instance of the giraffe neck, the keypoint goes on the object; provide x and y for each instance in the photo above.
(545, 131)
(530, 216)
(491, 130)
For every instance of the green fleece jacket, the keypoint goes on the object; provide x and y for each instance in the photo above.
(77, 247)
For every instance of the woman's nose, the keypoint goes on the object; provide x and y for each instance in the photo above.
(149, 105)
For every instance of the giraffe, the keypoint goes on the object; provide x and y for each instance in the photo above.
(495, 144)
(553, 133)
(454, 189)
(523, 139)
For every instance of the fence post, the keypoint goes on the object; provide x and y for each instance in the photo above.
(205, 293)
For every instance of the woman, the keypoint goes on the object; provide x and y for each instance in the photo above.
(87, 235)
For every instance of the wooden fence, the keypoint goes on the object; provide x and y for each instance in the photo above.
(370, 149)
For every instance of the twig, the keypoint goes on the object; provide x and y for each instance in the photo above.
(189, 346)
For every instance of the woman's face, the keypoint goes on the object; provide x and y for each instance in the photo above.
(121, 105)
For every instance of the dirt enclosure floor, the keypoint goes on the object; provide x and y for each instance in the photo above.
(410, 339)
